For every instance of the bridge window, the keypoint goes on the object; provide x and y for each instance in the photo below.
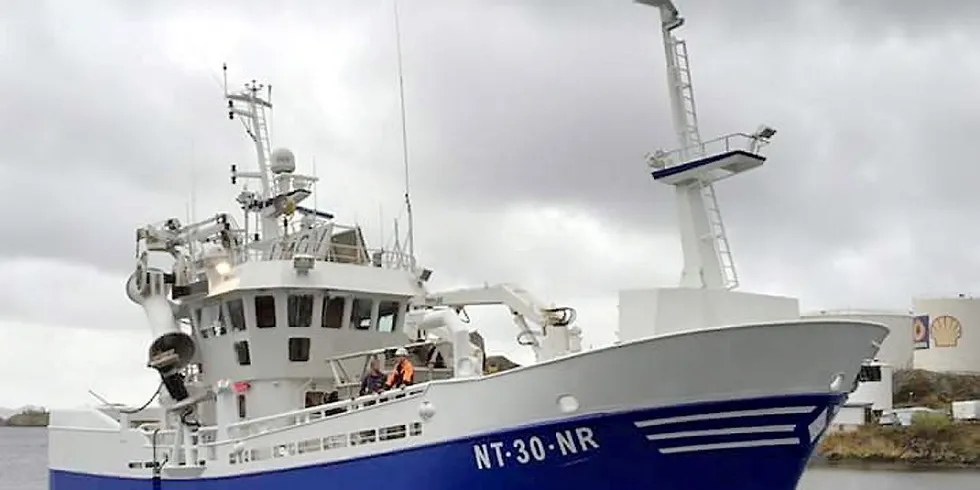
(236, 313)
(242, 353)
(220, 328)
(333, 312)
(388, 316)
(299, 349)
(360, 315)
(265, 311)
(300, 308)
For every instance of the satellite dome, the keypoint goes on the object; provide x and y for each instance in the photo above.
(283, 161)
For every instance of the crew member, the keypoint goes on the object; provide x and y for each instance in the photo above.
(403, 373)
(374, 380)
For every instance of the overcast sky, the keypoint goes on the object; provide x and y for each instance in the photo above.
(528, 122)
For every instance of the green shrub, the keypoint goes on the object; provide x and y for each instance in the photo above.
(930, 425)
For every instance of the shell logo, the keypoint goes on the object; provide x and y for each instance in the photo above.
(946, 331)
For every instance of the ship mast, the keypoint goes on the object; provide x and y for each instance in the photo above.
(695, 165)
(281, 189)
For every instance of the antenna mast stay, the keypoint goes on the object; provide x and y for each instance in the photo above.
(695, 165)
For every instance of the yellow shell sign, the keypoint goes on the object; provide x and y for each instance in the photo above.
(946, 331)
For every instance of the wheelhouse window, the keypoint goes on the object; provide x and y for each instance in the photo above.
(299, 349)
(242, 353)
(236, 313)
(389, 313)
(360, 314)
(333, 312)
(300, 308)
(265, 311)
(213, 320)
(221, 326)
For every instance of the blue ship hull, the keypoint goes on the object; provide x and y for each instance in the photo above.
(736, 445)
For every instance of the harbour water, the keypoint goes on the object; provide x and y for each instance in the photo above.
(23, 454)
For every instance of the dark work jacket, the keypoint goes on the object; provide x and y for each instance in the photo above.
(373, 382)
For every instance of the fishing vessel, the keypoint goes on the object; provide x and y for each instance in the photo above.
(263, 331)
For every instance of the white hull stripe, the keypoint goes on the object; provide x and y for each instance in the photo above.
(789, 441)
(726, 415)
(819, 424)
(761, 429)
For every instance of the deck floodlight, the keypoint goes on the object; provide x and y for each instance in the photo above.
(222, 267)
(765, 132)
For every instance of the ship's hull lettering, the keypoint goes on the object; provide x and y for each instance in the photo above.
(531, 449)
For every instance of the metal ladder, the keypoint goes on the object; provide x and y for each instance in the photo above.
(682, 77)
(717, 226)
(262, 132)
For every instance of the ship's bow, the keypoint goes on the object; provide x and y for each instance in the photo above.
(735, 408)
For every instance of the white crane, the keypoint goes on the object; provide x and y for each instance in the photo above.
(695, 165)
(557, 335)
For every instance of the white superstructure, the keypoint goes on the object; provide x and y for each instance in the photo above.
(706, 295)
(946, 336)
(897, 349)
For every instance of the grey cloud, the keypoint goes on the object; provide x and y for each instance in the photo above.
(509, 102)
(842, 172)
(84, 296)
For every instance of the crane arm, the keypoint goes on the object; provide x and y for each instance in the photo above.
(555, 337)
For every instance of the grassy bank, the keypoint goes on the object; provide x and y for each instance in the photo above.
(931, 441)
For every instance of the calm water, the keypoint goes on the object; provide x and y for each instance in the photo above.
(23, 454)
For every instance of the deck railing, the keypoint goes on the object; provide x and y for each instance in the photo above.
(731, 142)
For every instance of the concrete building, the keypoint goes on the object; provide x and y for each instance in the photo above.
(945, 336)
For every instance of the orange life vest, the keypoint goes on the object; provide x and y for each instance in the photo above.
(402, 374)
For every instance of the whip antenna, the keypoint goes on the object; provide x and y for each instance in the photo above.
(401, 97)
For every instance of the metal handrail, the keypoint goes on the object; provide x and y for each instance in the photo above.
(730, 142)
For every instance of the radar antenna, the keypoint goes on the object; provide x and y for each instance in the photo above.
(696, 165)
